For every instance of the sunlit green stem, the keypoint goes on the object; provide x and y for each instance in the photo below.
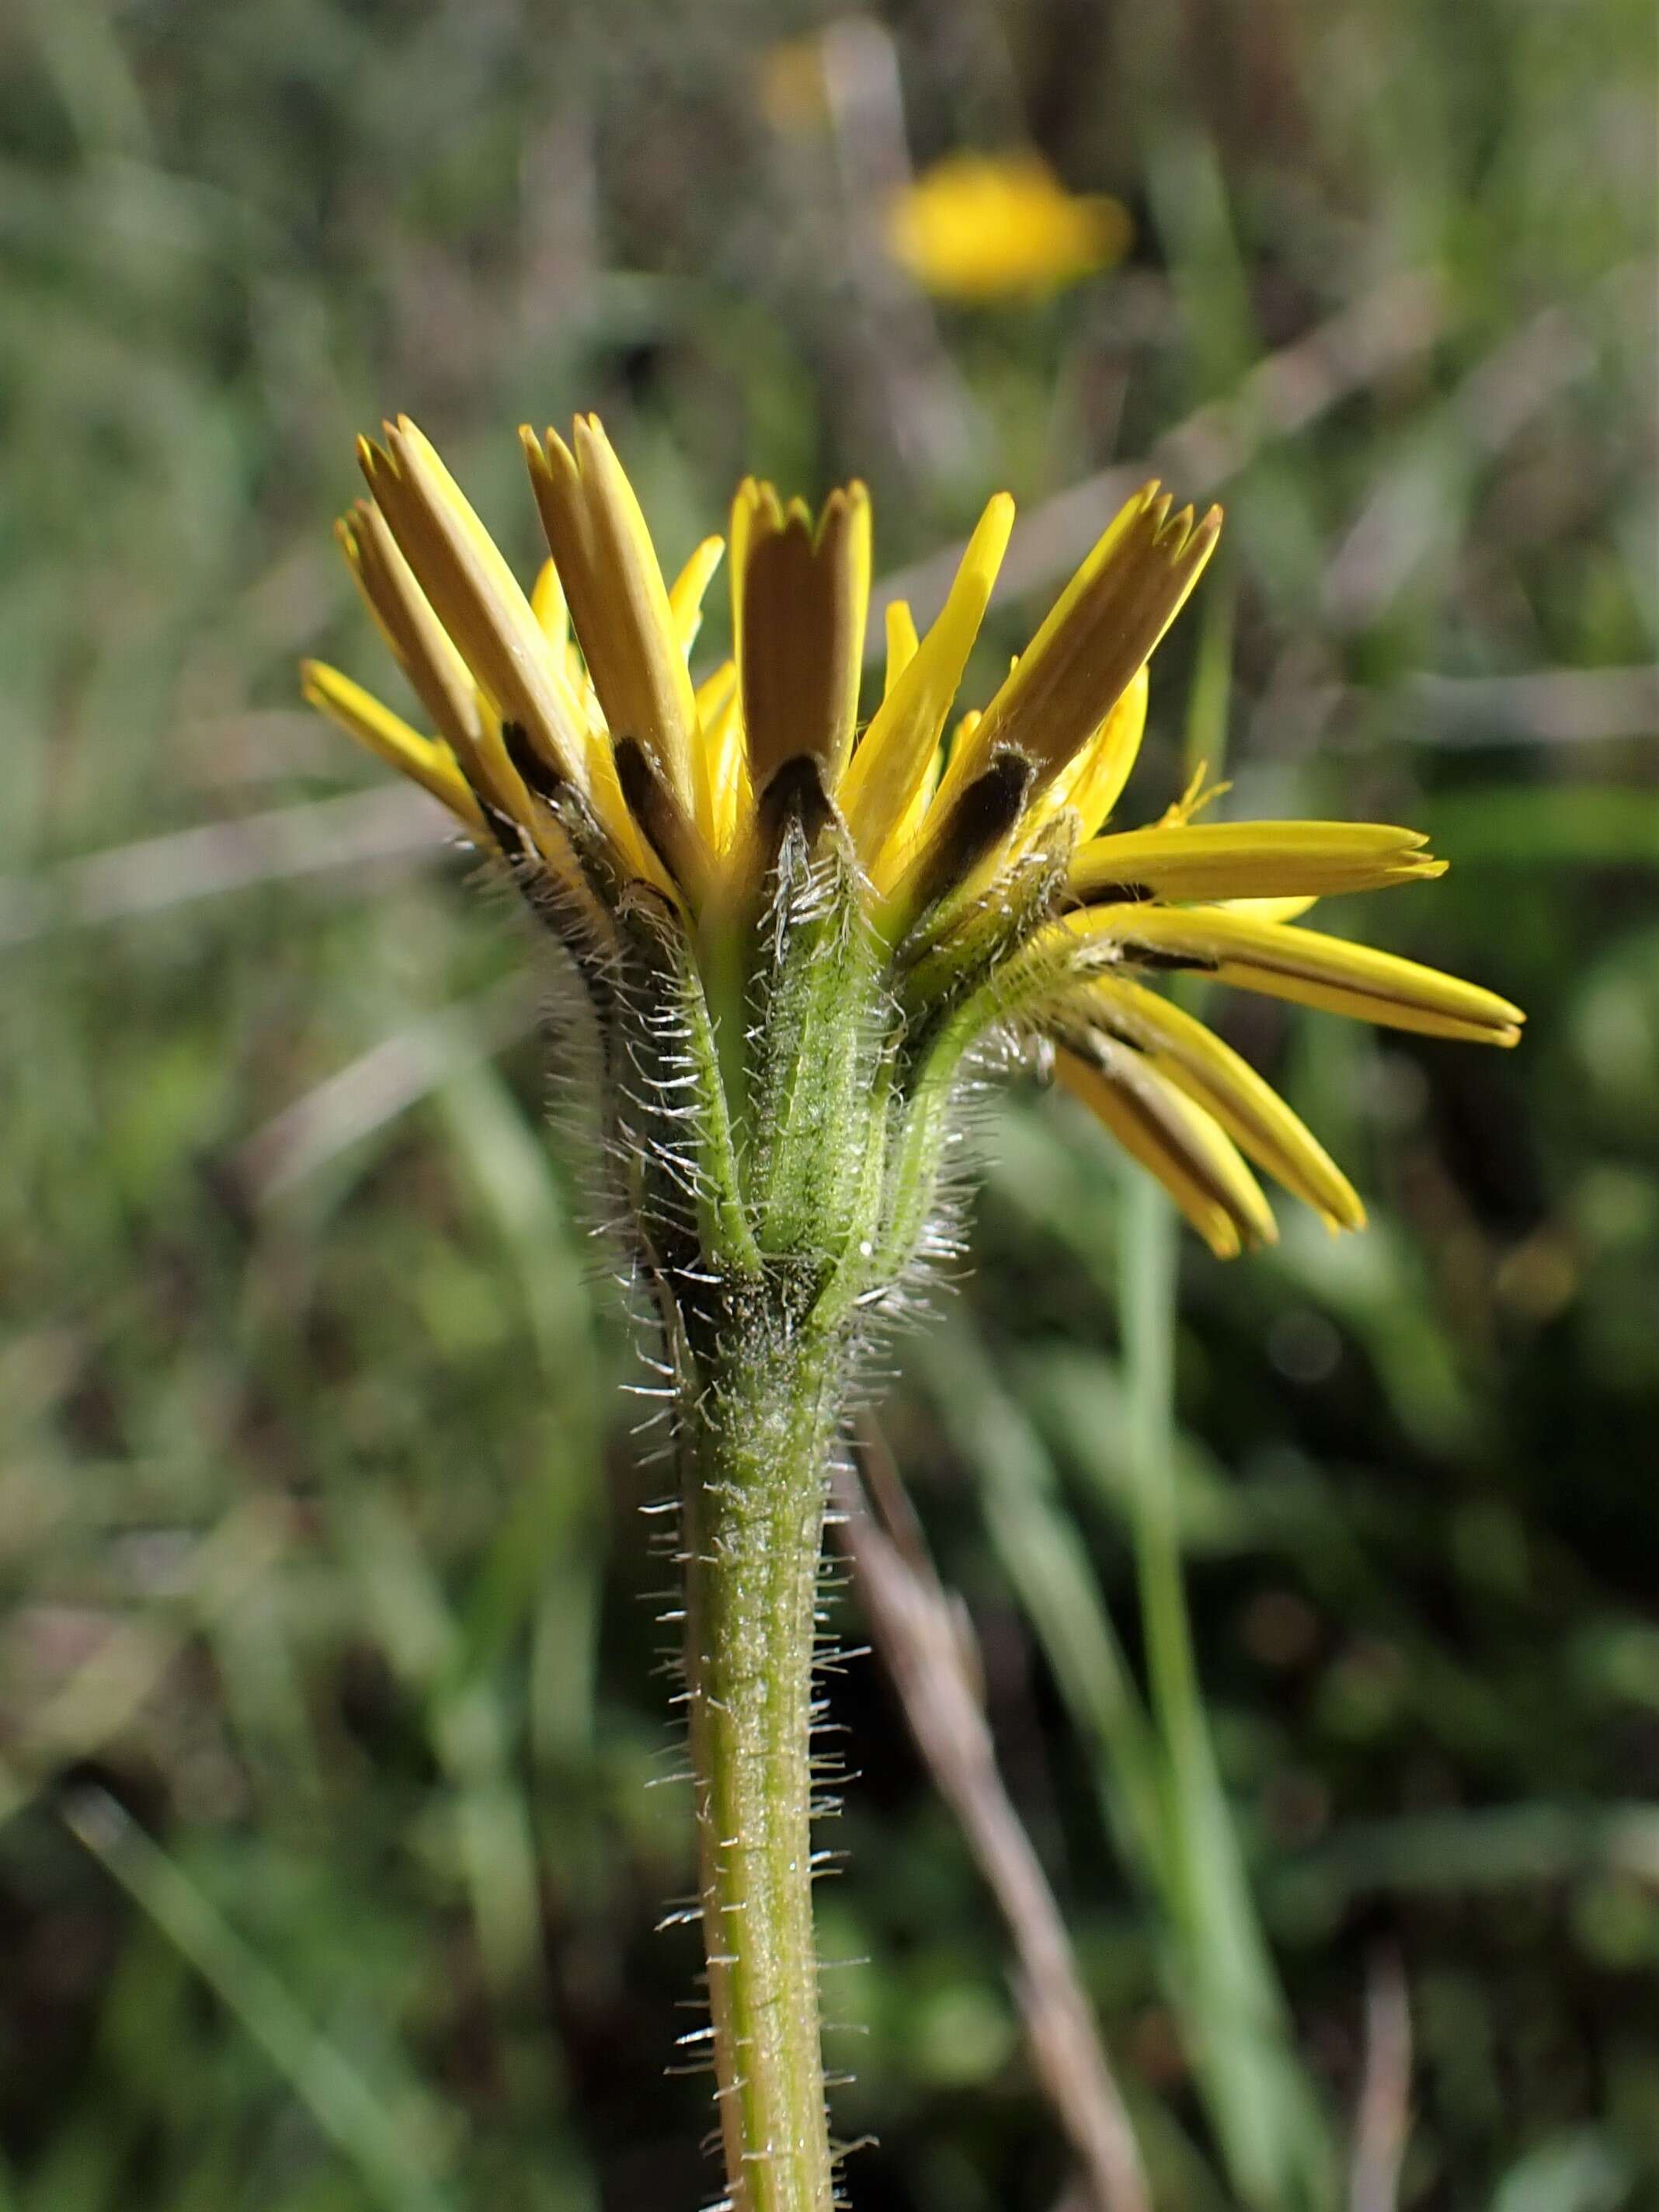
(756, 1464)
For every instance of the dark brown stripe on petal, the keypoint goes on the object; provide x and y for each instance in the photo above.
(1153, 956)
(1246, 967)
(795, 793)
(663, 819)
(534, 770)
(983, 816)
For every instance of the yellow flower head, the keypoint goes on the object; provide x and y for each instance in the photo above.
(982, 227)
(976, 871)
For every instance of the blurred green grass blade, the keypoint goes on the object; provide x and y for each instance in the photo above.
(548, 1557)
(1474, 1848)
(511, 1164)
(494, 1832)
(1576, 824)
(1272, 2134)
(1263, 2107)
(1377, 1286)
(392, 1582)
(1580, 2170)
(1194, 221)
(1045, 1559)
(384, 2138)
(1076, 1399)
(255, 1647)
(100, 1698)
(1204, 739)
(1161, 1796)
(470, 1730)
(76, 41)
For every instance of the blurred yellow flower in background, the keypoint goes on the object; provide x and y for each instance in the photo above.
(999, 226)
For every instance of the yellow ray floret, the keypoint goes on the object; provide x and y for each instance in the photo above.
(893, 760)
(475, 597)
(902, 644)
(551, 609)
(552, 612)
(1179, 1047)
(903, 841)
(1188, 1151)
(1300, 964)
(689, 588)
(802, 593)
(1099, 633)
(1058, 700)
(619, 604)
(1273, 910)
(418, 640)
(427, 760)
(1250, 859)
(1092, 783)
(729, 795)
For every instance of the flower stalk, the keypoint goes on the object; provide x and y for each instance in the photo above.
(765, 1238)
(756, 1461)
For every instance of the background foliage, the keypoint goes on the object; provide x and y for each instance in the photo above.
(330, 1860)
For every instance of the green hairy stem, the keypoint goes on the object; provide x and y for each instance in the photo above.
(756, 1458)
(782, 1095)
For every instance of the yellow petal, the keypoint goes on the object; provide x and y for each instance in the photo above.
(1096, 639)
(1212, 1075)
(361, 716)
(712, 694)
(1060, 697)
(685, 595)
(909, 836)
(722, 736)
(1303, 965)
(899, 746)
(1177, 1141)
(1272, 909)
(804, 594)
(475, 597)
(551, 609)
(422, 647)
(618, 602)
(478, 599)
(1250, 859)
(902, 643)
(1093, 783)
